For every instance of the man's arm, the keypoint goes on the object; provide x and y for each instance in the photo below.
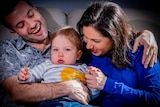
(36, 92)
(150, 53)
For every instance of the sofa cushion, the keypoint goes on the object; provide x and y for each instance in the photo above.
(55, 18)
(74, 16)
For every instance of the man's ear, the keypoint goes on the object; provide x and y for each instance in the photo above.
(13, 32)
(79, 54)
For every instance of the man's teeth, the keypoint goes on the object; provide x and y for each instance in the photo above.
(37, 29)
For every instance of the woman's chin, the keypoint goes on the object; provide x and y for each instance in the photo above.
(96, 54)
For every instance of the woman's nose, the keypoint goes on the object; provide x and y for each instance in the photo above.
(89, 45)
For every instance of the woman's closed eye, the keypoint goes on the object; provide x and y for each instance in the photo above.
(96, 41)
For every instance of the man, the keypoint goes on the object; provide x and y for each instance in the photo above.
(31, 48)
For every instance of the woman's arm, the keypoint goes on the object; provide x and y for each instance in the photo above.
(146, 93)
(141, 88)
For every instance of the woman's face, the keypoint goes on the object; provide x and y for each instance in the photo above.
(96, 42)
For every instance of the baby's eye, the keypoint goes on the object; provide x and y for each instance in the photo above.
(55, 49)
(68, 49)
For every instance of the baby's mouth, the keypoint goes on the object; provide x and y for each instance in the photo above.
(60, 61)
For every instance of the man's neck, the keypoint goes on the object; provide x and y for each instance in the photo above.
(41, 45)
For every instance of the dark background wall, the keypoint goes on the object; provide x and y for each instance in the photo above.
(68, 5)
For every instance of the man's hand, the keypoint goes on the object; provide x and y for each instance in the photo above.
(150, 52)
(78, 91)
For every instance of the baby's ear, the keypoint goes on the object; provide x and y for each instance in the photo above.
(79, 54)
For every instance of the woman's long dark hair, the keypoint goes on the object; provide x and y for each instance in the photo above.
(109, 19)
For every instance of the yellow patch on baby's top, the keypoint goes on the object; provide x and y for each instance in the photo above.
(72, 74)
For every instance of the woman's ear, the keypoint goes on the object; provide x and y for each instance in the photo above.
(79, 54)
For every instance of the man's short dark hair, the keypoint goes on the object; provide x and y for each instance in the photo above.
(6, 7)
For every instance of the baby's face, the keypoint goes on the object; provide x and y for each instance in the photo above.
(63, 51)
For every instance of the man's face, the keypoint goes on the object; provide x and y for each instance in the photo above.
(28, 23)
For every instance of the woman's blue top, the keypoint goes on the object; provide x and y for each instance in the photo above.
(133, 86)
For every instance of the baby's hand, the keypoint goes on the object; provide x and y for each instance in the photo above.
(92, 70)
(23, 74)
(95, 78)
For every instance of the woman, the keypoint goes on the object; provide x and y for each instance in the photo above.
(123, 80)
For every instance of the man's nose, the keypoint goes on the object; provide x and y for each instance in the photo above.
(32, 26)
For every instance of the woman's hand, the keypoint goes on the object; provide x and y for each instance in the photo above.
(95, 78)
(150, 52)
